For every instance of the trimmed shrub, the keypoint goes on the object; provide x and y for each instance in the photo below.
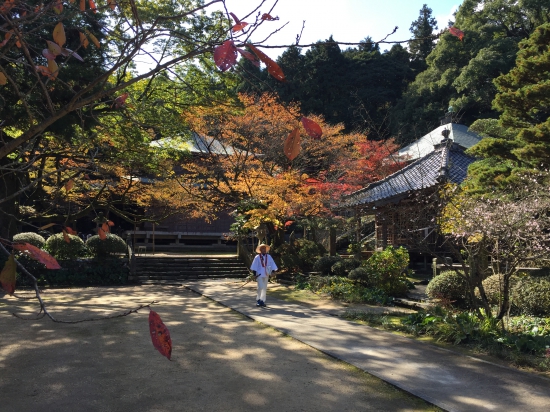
(493, 286)
(325, 263)
(365, 277)
(30, 237)
(60, 249)
(448, 285)
(112, 245)
(344, 266)
(532, 295)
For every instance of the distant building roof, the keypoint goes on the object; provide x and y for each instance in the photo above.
(446, 161)
(196, 144)
(458, 134)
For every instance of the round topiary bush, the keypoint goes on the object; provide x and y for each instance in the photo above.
(448, 285)
(324, 263)
(30, 237)
(531, 295)
(494, 287)
(60, 249)
(112, 245)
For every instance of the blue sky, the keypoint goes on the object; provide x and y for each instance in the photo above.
(346, 20)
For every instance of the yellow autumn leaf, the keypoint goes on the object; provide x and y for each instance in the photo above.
(53, 67)
(83, 40)
(59, 34)
(93, 39)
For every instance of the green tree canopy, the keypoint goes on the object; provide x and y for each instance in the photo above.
(519, 142)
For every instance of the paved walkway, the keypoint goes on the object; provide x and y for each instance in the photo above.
(445, 378)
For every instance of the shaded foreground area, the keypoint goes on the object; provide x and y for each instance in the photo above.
(220, 360)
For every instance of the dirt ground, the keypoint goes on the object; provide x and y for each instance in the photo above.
(221, 361)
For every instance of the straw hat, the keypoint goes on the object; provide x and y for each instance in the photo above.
(266, 248)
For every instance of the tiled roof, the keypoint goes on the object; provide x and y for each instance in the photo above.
(447, 160)
(458, 134)
(196, 144)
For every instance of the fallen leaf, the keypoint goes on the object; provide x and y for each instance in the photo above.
(292, 144)
(112, 4)
(110, 223)
(47, 226)
(7, 276)
(3, 79)
(160, 335)
(92, 6)
(225, 55)
(37, 254)
(82, 5)
(312, 128)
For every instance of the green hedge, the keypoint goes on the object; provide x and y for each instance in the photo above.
(60, 249)
(30, 237)
(531, 295)
(83, 272)
(448, 285)
(112, 245)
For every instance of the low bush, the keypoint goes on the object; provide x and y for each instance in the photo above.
(365, 277)
(60, 249)
(112, 245)
(325, 263)
(344, 266)
(532, 295)
(346, 290)
(308, 252)
(300, 256)
(448, 286)
(493, 287)
(390, 268)
(30, 237)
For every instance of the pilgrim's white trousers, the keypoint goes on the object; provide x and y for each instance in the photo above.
(262, 288)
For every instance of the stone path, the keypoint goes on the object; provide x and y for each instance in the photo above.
(450, 380)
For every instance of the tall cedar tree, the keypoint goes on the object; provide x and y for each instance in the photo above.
(423, 41)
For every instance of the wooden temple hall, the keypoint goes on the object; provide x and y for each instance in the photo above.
(403, 204)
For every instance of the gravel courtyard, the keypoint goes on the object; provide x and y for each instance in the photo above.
(221, 361)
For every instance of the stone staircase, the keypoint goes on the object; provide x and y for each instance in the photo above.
(178, 269)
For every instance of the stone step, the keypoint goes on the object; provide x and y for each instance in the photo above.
(173, 269)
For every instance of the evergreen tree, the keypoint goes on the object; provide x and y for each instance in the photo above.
(519, 142)
(423, 41)
(461, 73)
